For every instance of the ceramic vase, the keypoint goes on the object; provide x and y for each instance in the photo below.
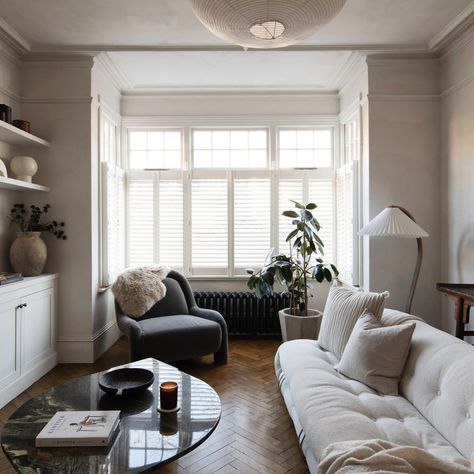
(28, 254)
(24, 167)
(300, 327)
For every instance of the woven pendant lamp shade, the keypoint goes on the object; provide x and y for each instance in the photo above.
(265, 23)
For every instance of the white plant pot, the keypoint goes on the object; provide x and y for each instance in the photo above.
(300, 327)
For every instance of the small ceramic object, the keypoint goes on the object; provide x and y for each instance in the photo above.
(3, 169)
(24, 167)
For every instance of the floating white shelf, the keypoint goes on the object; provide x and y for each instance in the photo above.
(15, 136)
(17, 185)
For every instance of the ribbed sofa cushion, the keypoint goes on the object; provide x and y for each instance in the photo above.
(332, 408)
(343, 308)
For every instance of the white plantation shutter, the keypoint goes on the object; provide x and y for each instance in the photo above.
(321, 192)
(113, 188)
(288, 190)
(140, 219)
(252, 222)
(345, 177)
(209, 214)
(170, 222)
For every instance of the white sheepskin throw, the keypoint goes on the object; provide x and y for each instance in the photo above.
(138, 289)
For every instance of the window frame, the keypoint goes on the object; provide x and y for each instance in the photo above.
(104, 115)
(272, 125)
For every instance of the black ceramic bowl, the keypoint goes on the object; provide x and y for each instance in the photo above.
(126, 381)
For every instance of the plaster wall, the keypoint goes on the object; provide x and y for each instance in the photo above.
(57, 100)
(9, 95)
(404, 118)
(457, 151)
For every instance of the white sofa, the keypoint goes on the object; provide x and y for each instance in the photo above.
(434, 411)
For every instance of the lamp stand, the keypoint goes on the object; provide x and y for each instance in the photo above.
(416, 274)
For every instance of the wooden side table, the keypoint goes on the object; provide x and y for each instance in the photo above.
(463, 297)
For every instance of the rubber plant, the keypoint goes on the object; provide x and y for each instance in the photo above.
(303, 263)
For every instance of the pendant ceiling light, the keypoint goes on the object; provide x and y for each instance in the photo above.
(265, 23)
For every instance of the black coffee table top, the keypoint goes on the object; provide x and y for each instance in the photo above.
(147, 439)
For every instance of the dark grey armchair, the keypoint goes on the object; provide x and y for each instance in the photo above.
(175, 328)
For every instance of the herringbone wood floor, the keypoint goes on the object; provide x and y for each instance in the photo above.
(255, 434)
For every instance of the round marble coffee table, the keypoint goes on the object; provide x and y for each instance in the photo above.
(146, 440)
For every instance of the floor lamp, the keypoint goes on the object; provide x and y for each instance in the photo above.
(396, 221)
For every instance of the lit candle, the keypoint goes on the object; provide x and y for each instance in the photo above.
(168, 395)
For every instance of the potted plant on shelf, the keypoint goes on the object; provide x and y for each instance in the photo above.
(28, 252)
(304, 262)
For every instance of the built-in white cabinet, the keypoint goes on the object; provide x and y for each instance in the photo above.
(27, 333)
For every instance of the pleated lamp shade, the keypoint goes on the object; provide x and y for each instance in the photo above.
(265, 23)
(392, 222)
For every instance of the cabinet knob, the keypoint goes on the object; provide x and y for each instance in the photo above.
(25, 305)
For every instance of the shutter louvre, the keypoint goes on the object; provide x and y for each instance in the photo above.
(321, 192)
(345, 225)
(140, 220)
(170, 222)
(288, 190)
(252, 223)
(209, 223)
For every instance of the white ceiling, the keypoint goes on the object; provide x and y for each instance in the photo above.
(234, 69)
(161, 44)
(152, 23)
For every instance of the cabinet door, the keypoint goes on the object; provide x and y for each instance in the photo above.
(9, 342)
(37, 319)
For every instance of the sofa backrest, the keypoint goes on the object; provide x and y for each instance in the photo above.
(439, 381)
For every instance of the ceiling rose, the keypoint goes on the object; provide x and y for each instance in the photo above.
(265, 23)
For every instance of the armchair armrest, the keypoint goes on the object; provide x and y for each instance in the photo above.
(131, 328)
(210, 314)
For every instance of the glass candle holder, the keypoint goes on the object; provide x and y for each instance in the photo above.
(168, 395)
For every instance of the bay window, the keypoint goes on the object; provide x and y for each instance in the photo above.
(207, 201)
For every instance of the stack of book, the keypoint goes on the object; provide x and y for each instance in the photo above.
(6, 278)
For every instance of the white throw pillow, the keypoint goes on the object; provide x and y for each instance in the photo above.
(343, 308)
(375, 354)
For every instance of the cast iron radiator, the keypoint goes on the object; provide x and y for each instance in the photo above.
(245, 314)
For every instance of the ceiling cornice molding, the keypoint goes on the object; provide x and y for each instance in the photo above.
(13, 39)
(157, 93)
(351, 69)
(461, 41)
(390, 60)
(98, 48)
(118, 76)
(452, 30)
(403, 97)
(56, 100)
(58, 60)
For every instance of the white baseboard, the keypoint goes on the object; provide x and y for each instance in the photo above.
(87, 349)
(28, 378)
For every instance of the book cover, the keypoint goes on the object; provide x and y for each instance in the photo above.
(6, 278)
(79, 428)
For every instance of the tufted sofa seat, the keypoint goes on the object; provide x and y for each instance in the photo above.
(435, 409)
